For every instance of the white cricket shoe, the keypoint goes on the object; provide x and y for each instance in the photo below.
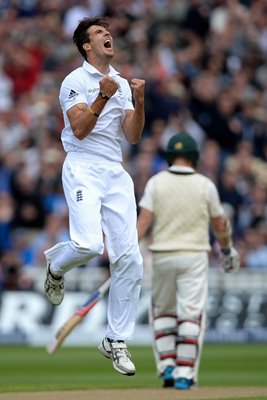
(105, 349)
(54, 288)
(119, 354)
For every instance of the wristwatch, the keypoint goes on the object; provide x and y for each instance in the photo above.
(104, 96)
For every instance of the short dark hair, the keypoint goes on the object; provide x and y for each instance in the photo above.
(80, 35)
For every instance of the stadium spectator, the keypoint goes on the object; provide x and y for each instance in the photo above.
(29, 211)
(6, 217)
(55, 230)
(256, 254)
(229, 191)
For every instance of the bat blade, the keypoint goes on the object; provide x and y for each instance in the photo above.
(76, 318)
(63, 332)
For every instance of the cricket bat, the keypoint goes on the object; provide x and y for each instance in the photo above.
(77, 317)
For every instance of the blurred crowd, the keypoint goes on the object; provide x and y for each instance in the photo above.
(205, 66)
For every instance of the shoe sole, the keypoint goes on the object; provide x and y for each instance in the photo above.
(183, 386)
(168, 383)
(54, 303)
(121, 371)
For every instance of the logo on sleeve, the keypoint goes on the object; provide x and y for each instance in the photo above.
(72, 94)
(79, 195)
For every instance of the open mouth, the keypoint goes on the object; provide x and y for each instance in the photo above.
(107, 44)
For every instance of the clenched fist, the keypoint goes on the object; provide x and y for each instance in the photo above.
(108, 86)
(138, 88)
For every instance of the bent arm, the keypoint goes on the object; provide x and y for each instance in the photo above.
(134, 120)
(134, 124)
(83, 117)
(82, 120)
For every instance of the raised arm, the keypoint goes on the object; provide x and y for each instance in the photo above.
(134, 120)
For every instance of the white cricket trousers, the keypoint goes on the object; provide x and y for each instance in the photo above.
(100, 198)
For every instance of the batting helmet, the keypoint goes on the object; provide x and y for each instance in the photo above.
(182, 145)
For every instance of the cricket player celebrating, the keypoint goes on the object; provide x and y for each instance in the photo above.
(98, 115)
(180, 205)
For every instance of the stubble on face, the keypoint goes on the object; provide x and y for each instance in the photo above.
(101, 42)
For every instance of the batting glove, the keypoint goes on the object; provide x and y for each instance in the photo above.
(230, 260)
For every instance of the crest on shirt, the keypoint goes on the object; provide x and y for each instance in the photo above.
(72, 94)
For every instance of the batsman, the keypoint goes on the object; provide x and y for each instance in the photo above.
(180, 206)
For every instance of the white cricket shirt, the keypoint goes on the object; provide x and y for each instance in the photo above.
(104, 141)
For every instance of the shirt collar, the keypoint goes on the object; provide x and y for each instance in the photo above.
(92, 70)
(181, 168)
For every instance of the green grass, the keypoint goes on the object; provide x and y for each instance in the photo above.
(32, 369)
(234, 365)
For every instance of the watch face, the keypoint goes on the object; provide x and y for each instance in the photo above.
(103, 95)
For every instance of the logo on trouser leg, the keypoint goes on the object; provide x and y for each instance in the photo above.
(79, 195)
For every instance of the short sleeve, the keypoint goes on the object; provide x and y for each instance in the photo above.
(214, 203)
(128, 104)
(72, 92)
(147, 199)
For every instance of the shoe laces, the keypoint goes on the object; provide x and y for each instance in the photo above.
(55, 284)
(120, 352)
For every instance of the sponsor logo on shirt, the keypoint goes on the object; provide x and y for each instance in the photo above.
(72, 94)
(79, 195)
(93, 90)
